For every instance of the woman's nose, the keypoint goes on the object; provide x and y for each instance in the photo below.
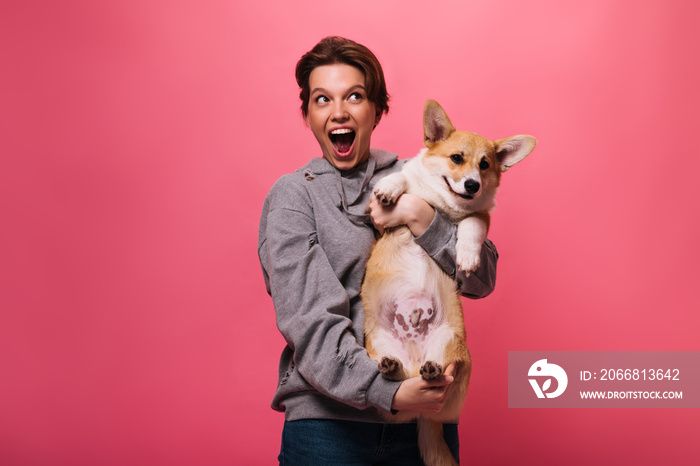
(340, 113)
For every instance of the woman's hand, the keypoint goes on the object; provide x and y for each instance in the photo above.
(409, 210)
(417, 394)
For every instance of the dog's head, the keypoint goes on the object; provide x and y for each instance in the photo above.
(469, 165)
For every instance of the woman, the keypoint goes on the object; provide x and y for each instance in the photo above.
(316, 233)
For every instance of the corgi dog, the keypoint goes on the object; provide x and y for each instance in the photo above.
(413, 312)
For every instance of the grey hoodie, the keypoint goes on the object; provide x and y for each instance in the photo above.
(314, 242)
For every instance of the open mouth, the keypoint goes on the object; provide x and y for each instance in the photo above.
(468, 197)
(342, 140)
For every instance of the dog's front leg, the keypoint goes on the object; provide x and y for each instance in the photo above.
(471, 234)
(389, 188)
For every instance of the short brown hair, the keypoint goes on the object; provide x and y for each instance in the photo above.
(333, 50)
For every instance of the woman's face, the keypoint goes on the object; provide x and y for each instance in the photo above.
(340, 115)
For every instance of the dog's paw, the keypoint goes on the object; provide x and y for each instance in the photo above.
(391, 368)
(430, 370)
(468, 257)
(388, 190)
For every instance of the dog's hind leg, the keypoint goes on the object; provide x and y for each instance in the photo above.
(435, 351)
(389, 353)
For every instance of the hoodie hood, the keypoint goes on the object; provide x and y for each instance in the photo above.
(321, 166)
(352, 188)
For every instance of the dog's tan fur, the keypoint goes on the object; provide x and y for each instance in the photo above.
(413, 313)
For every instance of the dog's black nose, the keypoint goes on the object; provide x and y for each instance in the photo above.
(471, 186)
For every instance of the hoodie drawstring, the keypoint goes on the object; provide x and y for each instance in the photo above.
(365, 218)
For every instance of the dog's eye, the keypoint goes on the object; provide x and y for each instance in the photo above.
(484, 164)
(457, 158)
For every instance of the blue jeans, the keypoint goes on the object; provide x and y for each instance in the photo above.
(315, 442)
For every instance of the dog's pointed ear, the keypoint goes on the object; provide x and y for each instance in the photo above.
(436, 125)
(512, 150)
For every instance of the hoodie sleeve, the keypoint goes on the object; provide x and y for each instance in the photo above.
(312, 306)
(439, 242)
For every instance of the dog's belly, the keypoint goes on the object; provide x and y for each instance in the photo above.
(414, 318)
(411, 303)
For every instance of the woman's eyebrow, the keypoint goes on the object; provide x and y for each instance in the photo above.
(352, 88)
(356, 86)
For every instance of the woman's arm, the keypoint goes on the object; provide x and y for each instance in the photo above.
(409, 210)
(312, 306)
(429, 396)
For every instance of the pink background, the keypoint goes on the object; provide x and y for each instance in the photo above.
(139, 139)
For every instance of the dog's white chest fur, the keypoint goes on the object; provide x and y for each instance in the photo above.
(414, 178)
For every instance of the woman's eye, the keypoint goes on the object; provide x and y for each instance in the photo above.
(355, 96)
(484, 164)
(457, 158)
(322, 99)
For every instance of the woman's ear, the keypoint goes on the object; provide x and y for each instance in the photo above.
(377, 118)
